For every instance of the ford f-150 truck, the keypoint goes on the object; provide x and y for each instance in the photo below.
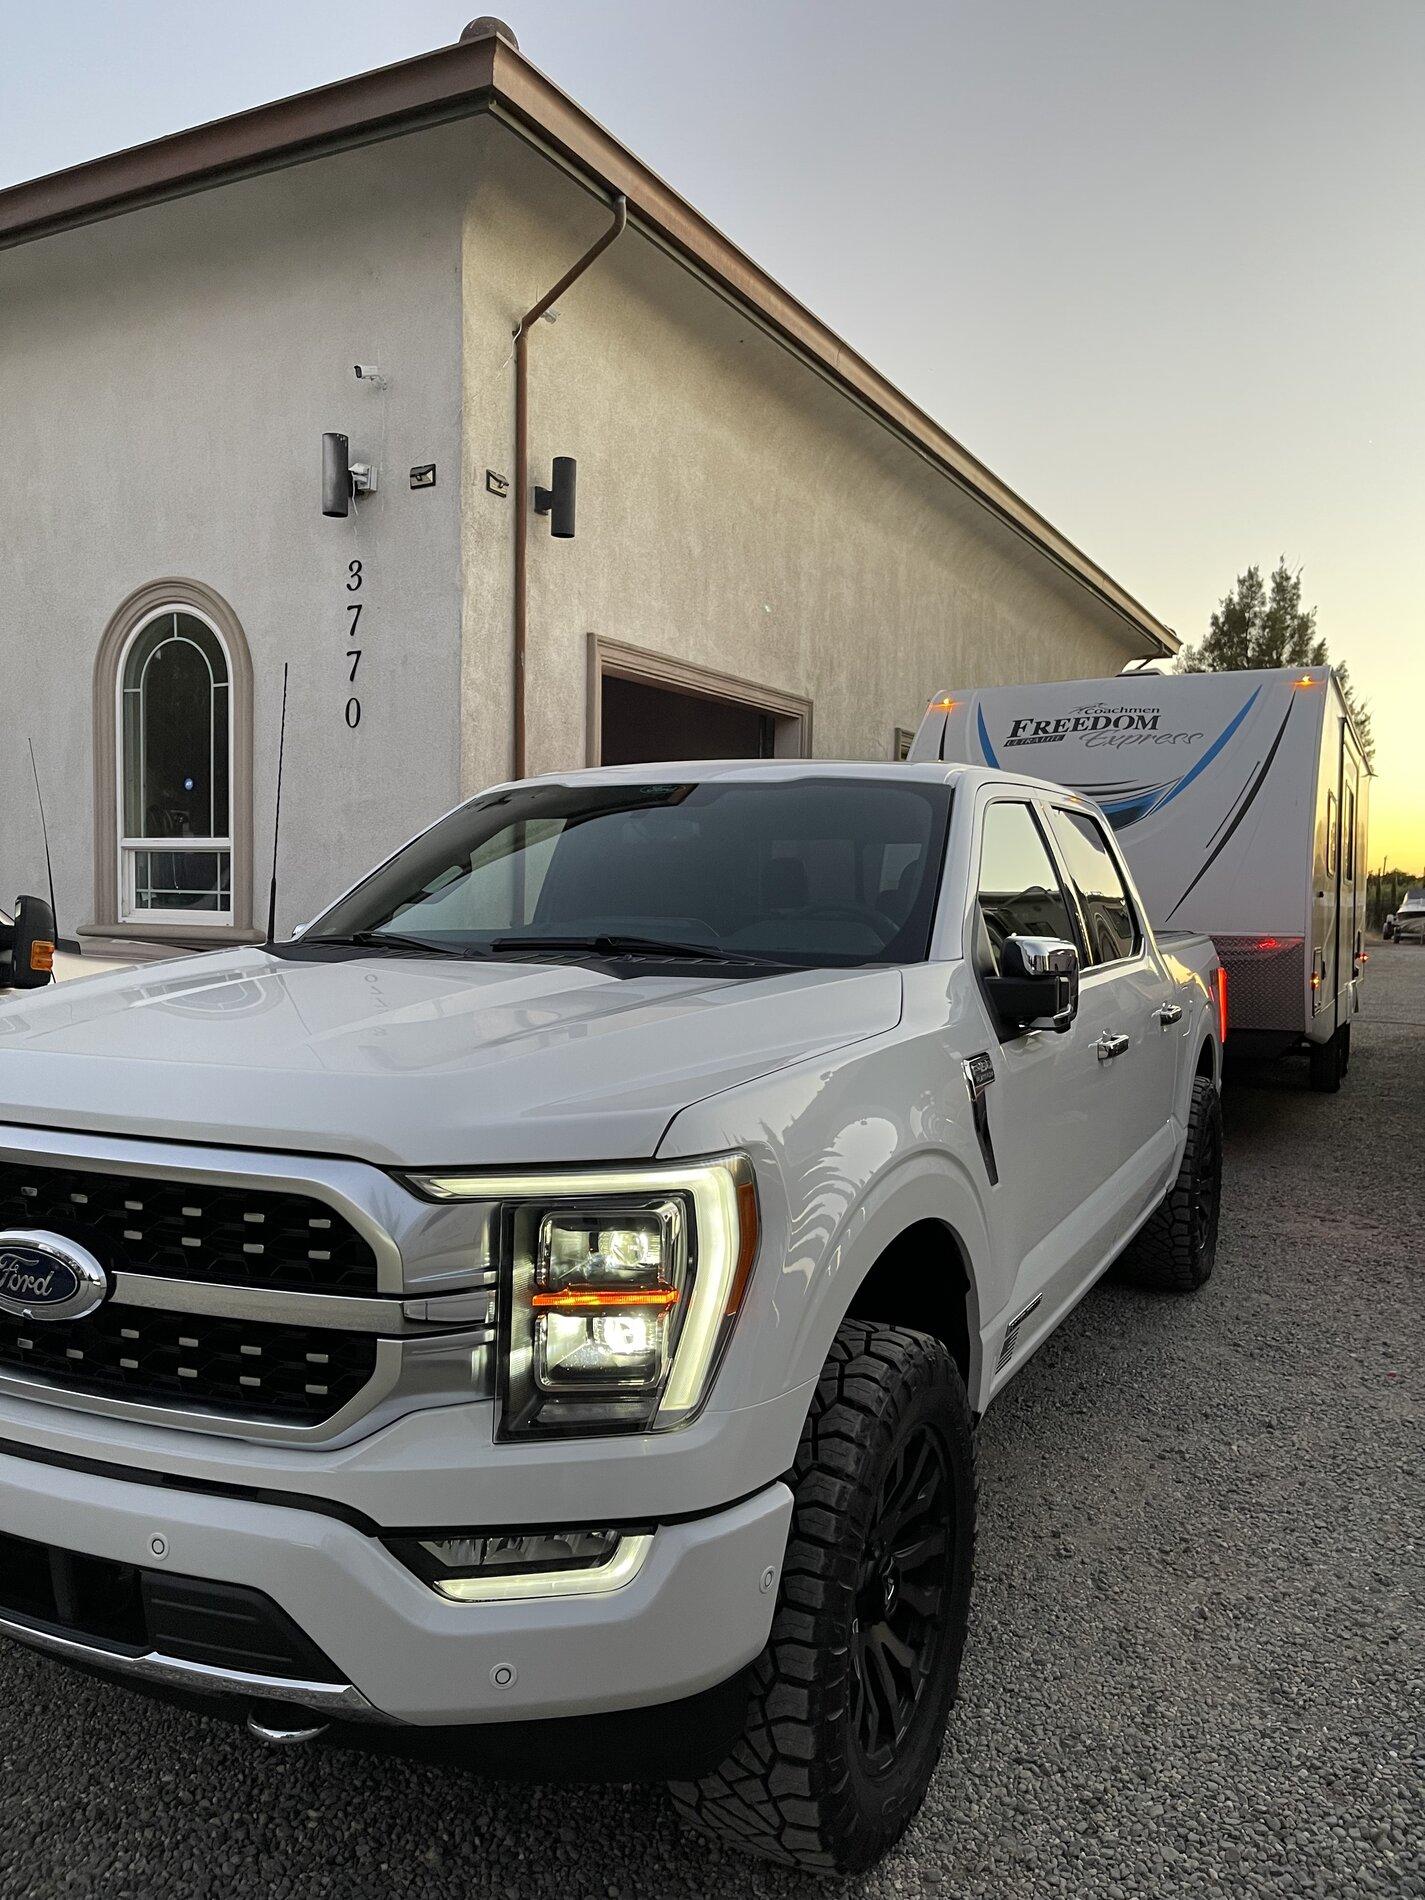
(542, 1311)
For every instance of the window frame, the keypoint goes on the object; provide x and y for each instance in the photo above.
(1034, 805)
(173, 594)
(128, 847)
(1089, 965)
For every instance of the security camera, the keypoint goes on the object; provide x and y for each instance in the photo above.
(368, 373)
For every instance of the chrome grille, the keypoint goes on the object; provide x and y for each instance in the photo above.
(239, 1235)
(299, 1375)
(355, 1303)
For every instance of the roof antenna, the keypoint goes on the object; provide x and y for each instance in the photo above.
(44, 834)
(277, 818)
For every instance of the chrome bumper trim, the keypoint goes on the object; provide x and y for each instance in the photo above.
(333, 1699)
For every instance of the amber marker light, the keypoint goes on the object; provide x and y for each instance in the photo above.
(943, 705)
(604, 1299)
(1306, 680)
(42, 957)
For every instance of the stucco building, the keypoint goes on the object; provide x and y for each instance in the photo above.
(775, 551)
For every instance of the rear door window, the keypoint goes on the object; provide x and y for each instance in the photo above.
(1110, 922)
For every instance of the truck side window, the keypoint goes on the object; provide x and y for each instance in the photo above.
(1108, 914)
(1019, 893)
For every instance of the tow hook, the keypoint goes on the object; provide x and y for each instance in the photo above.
(277, 1733)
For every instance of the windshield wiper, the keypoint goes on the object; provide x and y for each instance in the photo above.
(618, 945)
(392, 940)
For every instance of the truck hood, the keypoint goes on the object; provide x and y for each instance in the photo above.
(413, 1063)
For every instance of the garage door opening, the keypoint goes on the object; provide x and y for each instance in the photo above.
(645, 707)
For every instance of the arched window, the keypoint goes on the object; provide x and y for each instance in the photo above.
(173, 766)
(175, 751)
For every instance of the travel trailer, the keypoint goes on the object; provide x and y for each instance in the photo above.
(1240, 801)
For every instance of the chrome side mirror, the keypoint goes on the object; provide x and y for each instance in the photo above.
(1038, 985)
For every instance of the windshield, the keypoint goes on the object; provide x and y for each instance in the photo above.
(1413, 900)
(806, 871)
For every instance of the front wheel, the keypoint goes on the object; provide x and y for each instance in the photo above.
(851, 1695)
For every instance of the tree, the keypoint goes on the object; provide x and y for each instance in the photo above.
(1261, 626)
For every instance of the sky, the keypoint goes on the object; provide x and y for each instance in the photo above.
(1160, 263)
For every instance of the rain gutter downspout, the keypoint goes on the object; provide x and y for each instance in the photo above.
(524, 500)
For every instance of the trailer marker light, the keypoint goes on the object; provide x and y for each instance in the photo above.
(943, 705)
(1306, 680)
(1267, 943)
(1221, 1003)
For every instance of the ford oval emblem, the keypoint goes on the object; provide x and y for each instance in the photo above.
(43, 1276)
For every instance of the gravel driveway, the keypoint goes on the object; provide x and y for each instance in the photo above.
(1197, 1648)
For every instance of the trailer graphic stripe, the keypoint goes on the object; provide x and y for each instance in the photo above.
(1210, 754)
(1257, 784)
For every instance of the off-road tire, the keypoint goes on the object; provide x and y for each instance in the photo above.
(1327, 1065)
(1177, 1248)
(799, 1787)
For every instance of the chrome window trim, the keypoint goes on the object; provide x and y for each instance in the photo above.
(332, 1698)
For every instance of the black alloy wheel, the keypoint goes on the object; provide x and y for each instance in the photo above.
(897, 1631)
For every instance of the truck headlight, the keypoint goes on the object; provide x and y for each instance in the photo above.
(619, 1289)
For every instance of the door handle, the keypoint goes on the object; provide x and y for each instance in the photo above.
(1169, 1013)
(1107, 1047)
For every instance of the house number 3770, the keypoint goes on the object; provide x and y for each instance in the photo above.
(354, 649)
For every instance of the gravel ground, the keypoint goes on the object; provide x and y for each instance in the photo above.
(1197, 1648)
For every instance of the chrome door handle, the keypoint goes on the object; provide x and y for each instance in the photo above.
(1107, 1047)
(1169, 1013)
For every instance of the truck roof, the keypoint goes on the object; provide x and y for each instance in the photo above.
(933, 771)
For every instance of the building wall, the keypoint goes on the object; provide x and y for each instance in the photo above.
(735, 509)
(165, 379)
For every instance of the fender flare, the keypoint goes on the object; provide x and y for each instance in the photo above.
(925, 1186)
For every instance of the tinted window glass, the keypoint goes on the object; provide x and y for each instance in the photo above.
(1019, 891)
(1108, 914)
(810, 871)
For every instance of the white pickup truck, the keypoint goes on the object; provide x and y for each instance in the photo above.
(543, 1311)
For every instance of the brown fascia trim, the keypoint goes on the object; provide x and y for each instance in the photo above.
(456, 82)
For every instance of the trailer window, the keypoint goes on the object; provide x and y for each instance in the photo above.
(1330, 834)
(1350, 837)
(1110, 922)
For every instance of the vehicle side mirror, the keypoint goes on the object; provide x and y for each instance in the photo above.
(1038, 985)
(29, 962)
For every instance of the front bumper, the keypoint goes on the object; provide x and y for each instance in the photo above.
(696, 1612)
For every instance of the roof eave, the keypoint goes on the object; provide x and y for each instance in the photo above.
(455, 82)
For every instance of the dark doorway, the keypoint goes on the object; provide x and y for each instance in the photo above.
(641, 722)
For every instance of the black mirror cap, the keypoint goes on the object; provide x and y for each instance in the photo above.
(1038, 985)
(31, 952)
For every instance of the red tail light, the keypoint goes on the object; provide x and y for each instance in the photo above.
(1221, 1003)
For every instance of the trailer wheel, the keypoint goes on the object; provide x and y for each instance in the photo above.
(1328, 1065)
(1177, 1248)
(851, 1695)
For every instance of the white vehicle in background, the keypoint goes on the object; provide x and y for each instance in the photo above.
(540, 1314)
(1240, 801)
(1408, 920)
